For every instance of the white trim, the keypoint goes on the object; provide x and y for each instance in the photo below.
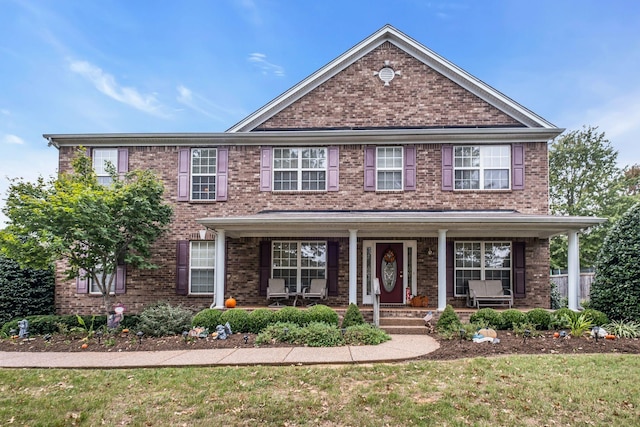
(482, 268)
(191, 267)
(299, 169)
(390, 169)
(442, 269)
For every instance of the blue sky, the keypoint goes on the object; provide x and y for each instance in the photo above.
(201, 66)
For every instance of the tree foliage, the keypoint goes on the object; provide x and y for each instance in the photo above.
(585, 180)
(616, 288)
(92, 227)
(24, 292)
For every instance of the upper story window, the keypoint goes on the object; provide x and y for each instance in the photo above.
(389, 167)
(204, 164)
(102, 159)
(482, 167)
(299, 169)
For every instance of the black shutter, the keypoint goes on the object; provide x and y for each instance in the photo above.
(519, 286)
(451, 260)
(265, 267)
(182, 267)
(333, 255)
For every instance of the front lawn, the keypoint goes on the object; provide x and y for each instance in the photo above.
(514, 390)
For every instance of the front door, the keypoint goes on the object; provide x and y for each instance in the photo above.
(389, 271)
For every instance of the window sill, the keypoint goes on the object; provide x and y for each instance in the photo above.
(483, 191)
(297, 193)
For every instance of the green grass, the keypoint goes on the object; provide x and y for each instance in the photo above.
(516, 390)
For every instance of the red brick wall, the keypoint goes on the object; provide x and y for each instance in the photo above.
(419, 97)
(148, 286)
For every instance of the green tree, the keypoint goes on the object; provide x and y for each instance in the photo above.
(24, 291)
(616, 288)
(585, 180)
(86, 226)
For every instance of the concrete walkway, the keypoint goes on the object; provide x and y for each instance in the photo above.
(400, 347)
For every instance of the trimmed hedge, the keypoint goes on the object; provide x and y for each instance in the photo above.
(487, 317)
(539, 317)
(259, 319)
(238, 319)
(352, 317)
(208, 318)
(322, 313)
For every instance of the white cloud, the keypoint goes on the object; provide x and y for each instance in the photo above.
(260, 60)
(107, 84)
(5, 112)
(203, 105)
(11, 139)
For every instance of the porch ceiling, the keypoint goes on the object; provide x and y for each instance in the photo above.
(398, 224)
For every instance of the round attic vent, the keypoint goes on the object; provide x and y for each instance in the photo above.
(386, 74)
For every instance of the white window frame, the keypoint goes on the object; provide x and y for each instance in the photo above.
(211, 172)
(482, 268)
(298, 167)
(490, 158)
(389, 165)
(100, 158)
(298, 263)
(202, 264)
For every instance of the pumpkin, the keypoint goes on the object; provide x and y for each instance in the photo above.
(125, 331)
(610, 337)
(85, 345)
(556, 334)
(230, 303)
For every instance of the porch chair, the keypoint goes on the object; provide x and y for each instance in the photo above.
(316, 291)
(277, 291)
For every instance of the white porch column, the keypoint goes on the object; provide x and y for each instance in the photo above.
(353, 266)
(220, 272)
(442, 270)
(573, 273)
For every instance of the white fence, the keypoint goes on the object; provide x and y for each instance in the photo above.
(562, 282)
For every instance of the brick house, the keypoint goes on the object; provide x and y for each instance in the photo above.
(389, 153)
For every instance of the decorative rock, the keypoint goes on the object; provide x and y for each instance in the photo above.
(488, 332)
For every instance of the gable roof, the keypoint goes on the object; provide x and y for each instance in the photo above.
(389, 34)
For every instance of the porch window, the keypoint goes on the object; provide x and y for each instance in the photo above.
(389, 166)
(103, 158)
(299, 169)
(204, 163)
(482, 167)
(299, 262)
(482, 261)
(202, 267)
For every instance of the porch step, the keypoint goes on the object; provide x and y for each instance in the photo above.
(403, 325)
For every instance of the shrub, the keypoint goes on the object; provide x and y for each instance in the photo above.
(579, 325)
(615, 289)
(558, 318)
(539, 317)
(520, 330)
(365, 334)
(596, 317)
(448, 321)
(279, 332)
(24, 292)
(322, 313)
(557, 300)
(208, 318)
(320, 334)
(259, 319)
(623, 329)
(511, 318)
(164, 319)
(352, 316)
(486, 317)
(291, 315)
(238, 319)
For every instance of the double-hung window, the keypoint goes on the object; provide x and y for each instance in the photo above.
(299, 262)
(204, 163)
(482, 167)
(202, 267)
(300, 169)
(103, 159)
(481, 261)
(389, 167)
(109, 278)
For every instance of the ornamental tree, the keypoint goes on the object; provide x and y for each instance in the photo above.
(89, 226)
(616, 288)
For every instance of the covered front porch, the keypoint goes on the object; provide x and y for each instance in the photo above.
(426, 241)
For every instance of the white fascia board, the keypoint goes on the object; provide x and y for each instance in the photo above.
(416, 49)
(303, 138)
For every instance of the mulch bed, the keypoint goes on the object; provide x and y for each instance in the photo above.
(449, 349)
